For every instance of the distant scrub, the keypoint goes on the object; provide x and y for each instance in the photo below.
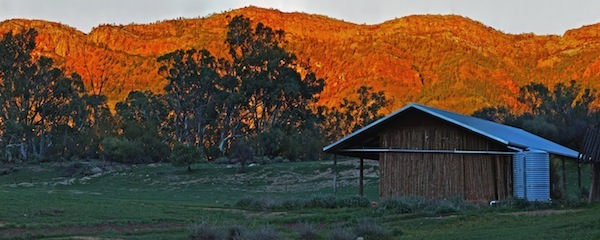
(205, 231)
(317, 201)
(366, 228)
(418, 204)
(340, 233)
(123, 151)
(264, 160)
(521, 204)
(184, 155)
(401, 205)
(389, 206)
(369, 229)
(306, 231)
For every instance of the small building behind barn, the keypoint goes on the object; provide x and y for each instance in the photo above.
(424, 151)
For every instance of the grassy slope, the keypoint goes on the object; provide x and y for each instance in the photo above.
(159, 201)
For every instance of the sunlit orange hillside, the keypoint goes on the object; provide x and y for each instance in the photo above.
(445, 61)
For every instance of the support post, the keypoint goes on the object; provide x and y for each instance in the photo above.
(361, 178)
(595, 183)
(579, 176)
(564, 177)
(334, 174)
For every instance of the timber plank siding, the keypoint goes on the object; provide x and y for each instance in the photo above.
(441, 175)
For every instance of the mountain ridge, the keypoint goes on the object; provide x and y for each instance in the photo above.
(445, 61)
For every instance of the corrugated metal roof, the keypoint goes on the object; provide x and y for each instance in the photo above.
(507, 135)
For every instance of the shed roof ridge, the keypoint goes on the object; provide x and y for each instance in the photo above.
(432, 111)
(504, 134)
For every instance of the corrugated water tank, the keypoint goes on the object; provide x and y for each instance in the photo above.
(519, 175)
(531, 175)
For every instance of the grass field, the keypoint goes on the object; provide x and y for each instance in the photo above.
(97, 200)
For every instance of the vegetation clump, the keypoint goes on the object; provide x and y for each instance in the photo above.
(414, 204)
(123, 151)
(185, 155)
(368, 228)
(306, 231)
(205, 231)
(341, 233)
(317, 201)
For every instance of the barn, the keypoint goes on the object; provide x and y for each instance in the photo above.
(424, 151)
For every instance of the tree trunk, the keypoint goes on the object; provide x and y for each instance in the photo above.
(42, 146)
(564, 178)
(361, 178)
(595, 185)
(334, 171)
(23, 151)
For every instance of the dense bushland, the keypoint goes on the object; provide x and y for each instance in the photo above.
(259, 101)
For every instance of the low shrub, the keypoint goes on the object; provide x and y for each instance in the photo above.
(451, 206)
(184, 155)
(418, 204)
(236, 232)
(262, 233)
(317, 201)
(223, 160)
(261, 160)
(260, 204)
(268, 203)
(401, 205)
(322, 201)
(355, 202)
(245, 202)
(445, 208)
(369, 229)
(204, 231)
(122, 150)
(78, 169)
(397, 232)
(293, 203)
(306, 231)
(523, 204)
(340, 233)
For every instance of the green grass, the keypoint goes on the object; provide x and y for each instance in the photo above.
(160, 202)
(576, 225)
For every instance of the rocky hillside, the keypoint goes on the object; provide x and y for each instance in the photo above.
(450, 62)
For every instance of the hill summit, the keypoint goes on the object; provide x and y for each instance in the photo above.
(448, 61)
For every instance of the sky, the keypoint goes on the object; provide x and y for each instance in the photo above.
(510, 16)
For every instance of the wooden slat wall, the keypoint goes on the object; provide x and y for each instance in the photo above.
(437, 175)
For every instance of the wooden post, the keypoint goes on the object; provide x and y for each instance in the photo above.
(495, 176)
(595, 185)
(579, 176)
(564, 178)
(361, 178)
(334, 174)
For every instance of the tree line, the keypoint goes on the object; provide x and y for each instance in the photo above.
(561, 114)
(260, 100)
